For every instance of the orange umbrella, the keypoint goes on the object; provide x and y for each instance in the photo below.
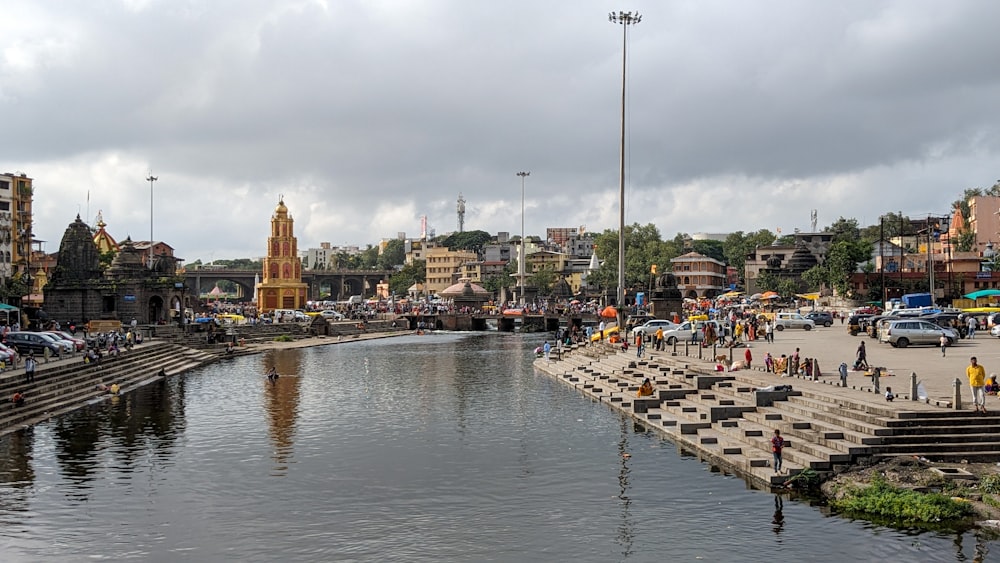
(769, 295)
(513, 312)
(609, 311)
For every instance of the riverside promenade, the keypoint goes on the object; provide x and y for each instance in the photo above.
(720, 416)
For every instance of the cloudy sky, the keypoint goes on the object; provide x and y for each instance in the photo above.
(368, 115)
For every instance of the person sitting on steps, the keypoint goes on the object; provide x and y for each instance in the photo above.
(18, 399)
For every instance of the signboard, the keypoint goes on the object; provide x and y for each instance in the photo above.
(984, 275)
(94, 327)
(129, 298)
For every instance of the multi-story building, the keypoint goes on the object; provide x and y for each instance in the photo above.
(16, 191)
(320, 258)
(444, 267)
(7, 207)
(699, 275)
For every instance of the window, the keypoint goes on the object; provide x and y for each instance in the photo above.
(4, 185)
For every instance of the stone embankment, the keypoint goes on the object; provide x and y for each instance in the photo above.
(726, 421)
(65, 384)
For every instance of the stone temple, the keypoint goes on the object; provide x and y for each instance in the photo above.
(79, 290)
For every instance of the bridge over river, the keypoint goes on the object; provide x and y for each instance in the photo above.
(547, 322)
(340, 284)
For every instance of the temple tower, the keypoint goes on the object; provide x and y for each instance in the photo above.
(282, 287)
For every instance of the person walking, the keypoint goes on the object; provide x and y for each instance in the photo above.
(944, 345)
(862, 356)
(547, 349)
(659, 339)
(769, 332)
(748, 357)
(973, 325)
(977, 381)
(29, 368)
(777, 443)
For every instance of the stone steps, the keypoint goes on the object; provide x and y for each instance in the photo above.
(69, 386)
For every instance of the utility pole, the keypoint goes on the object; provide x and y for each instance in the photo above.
(625, 19)
(151, 179)
(521, 252)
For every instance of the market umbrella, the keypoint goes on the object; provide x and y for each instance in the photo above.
(609, 311)
(982, 293)
(574, 302)
(756, 296)
(512, 312)
(769, 295)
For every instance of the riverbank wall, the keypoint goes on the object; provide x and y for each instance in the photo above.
(62, 385)
(727, 418)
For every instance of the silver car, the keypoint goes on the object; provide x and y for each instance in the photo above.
(902, 333)
(650, 328)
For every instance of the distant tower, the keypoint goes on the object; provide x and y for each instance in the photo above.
(461, 213)
(282, 287)
(812, 219)
(423, 227)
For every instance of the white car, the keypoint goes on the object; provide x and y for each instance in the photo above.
(650, 327)
(331, 315)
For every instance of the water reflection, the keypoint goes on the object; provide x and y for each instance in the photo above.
(778, 520)
(16, 471)
(281, 398)
(626, 529)
(129, 428)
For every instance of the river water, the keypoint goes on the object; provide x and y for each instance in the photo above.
(443, 447)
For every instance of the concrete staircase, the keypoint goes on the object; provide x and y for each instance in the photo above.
(65, 385)
(720, 417)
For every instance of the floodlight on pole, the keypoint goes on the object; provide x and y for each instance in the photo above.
(521, 252)
(625, 19)
(151, 179)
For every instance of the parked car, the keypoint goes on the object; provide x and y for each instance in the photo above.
(792, 320)
(78, 343)
(902, 333)
(682, 332)
(34, 342)
(633, 321)
(649, 329)
(331, 315)
(66, 345)
(821, 318)
(8, 355)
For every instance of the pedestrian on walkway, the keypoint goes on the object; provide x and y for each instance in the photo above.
(977, 381)
(748, 357)
(973, 325)
(29, 368)
(862, 354)
(944, 345)
(777, 443)
(547, 348)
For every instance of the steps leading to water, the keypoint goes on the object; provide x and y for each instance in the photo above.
(66, 385)
(717, 416)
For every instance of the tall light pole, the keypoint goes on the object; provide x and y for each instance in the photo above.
(521, 254)
(625, 19)
(151, 179)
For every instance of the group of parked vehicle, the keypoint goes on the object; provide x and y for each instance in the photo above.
(904, 327)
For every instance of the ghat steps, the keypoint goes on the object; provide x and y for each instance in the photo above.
(719, 415)
(67, 384)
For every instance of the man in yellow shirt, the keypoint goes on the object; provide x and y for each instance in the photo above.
(659, 339)
(977, 380)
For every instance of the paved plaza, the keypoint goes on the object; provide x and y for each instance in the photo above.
(832, 346)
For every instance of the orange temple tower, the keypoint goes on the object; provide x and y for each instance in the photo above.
(282, 287)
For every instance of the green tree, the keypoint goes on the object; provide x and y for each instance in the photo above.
(467, 240)
(844, 230)
(543, 280)
(711, 248)
(409, 274)
(393, 255)
(496, 282)
(815, 277)
(766, 281)
(368, 258)
(739, 245)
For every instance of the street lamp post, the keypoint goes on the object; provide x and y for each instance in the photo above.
(625, 19)
(151, 179)
(521, 253)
